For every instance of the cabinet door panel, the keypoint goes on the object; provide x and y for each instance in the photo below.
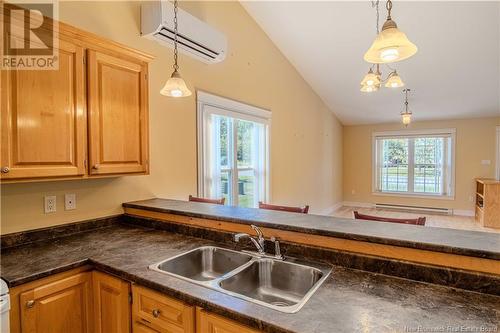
(118, 115)
(44, 120)
(60, 306)
(111, 304)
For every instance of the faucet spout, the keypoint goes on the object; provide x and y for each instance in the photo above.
(258, 245)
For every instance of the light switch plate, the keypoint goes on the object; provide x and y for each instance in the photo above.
(49, 204)
(70, 201)
(486, 162)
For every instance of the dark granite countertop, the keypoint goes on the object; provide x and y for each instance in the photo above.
(462, 242)
(348, 301)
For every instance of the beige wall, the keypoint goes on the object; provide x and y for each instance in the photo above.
(475, 141)
(306, 138)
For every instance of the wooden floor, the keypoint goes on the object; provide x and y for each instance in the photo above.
(433, 220)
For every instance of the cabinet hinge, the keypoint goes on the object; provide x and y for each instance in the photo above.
(84, 163)
(130, 299)
(84, 59)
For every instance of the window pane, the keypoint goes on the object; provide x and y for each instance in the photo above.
(246, 187)
(224, 125)
(428, 165)
(226, 188)
(244, 143)
(394, 164)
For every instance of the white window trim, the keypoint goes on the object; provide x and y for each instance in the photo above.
(229, 107)
(443, 131)
(497, 175)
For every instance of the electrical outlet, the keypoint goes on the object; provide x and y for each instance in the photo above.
(70, 201)
(471, 198)
(50, 204)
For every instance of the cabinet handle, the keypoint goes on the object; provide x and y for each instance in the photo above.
(96, 167)
(30, 304)
(5, 169)
(156, 313)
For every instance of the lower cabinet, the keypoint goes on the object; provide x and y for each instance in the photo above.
(86, 301)
(207, 322)
(60, 303)
(111, 304)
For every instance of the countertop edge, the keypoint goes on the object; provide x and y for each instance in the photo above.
(329, 233)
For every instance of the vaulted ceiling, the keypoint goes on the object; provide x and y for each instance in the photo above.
(455, 74)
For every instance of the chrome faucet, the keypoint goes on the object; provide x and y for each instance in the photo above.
(259, 242)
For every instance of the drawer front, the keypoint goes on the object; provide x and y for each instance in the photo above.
(141, 328)
(162, 313)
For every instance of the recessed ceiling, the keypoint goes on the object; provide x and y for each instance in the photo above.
(455, 74)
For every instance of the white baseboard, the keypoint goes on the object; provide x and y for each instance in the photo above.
(330, 210)
(463, 212)
(357, 204)
(458, 212)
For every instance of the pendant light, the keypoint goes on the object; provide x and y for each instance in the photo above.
(391, 44)
(406, 114)
(175, 86)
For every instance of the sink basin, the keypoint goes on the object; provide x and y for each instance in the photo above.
(282, 285)
(274, 282)
(203, 263)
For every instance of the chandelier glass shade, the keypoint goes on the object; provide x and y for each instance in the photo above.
(391, 44)
(370, 79)
(394, 81)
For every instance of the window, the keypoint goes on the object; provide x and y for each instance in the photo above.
(414, 163)
(233, 151)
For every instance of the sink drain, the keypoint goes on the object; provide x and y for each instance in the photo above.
(278, 303)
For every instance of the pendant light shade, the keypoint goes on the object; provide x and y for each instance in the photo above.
(175, 86)
(406, 118)
(394, 81)
(391, 44)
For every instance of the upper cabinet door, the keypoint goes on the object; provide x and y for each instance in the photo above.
(118, 114)
(44, 119)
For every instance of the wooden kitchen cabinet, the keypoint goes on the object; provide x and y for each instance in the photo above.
(111, 304)
(43, 120)
(117, 114)
(87, 119)
(154, 312)
(61, 303)
(207, 322)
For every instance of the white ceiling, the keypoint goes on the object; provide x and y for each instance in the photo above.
(455, 74)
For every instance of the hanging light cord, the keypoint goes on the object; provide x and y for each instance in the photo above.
(175, 36)
(406, 99)
(388, 5)
(375, 4)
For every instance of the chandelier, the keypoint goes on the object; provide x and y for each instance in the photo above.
(390, 45)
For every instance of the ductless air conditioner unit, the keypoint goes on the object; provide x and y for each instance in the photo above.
(195, 37)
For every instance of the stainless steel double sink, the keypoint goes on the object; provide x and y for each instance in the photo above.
(283, 285)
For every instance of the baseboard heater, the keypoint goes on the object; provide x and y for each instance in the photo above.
(445, 211)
